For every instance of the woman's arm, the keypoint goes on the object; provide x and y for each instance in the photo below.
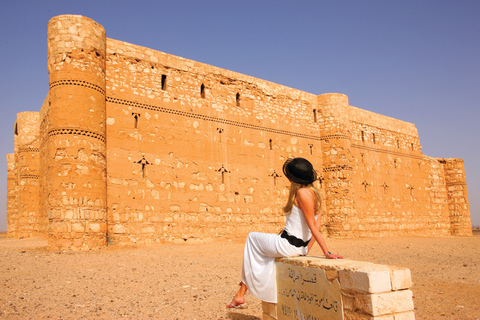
(318, 223)
(306, 202)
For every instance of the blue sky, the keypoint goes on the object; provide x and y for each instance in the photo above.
(417, 61)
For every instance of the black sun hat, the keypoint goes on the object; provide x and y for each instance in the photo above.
(299, 170)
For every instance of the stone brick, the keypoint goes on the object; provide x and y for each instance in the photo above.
(348, 302)
(368, 281)
(401, 278)
(351, 315)
(378, 304)
(269, 309)
(410, 315)
(268, 317)
(331, 274)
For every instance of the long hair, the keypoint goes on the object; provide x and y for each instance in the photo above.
(293, 192)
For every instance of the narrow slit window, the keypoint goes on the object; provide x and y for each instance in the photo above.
(135, 117)
(363, 136)
(412, 147)
(314, 115)
(373, 135)
(270, 143)
(202, 91)
(237, 99)
(398, 144)
(164, 82)
(220, 130)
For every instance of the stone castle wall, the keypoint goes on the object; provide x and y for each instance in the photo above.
(139, 146)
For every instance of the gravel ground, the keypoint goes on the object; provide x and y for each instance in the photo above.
(196, 281)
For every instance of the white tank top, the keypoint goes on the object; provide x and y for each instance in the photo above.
(297, 225)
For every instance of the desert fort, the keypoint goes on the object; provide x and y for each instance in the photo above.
(135, 146)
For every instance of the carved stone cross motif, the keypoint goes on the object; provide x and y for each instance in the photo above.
(366, 184)
(411, 190)
(275, 176)
(222, 170)
(143, 162)
(385, 187)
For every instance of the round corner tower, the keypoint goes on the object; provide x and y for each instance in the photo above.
(337, 162)
(27, 143)
(74, 194)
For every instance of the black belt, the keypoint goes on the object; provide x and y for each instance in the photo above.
(294, 241)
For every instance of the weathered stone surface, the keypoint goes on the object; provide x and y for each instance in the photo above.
(296, 294)
(269, 309)
(306, 293)
(401, 278)
(160, 148)
(410, 315)
(385, 303)
(371, 281)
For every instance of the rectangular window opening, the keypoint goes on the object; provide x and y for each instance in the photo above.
(164, 82)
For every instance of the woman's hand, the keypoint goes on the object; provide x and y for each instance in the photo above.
(333, 256)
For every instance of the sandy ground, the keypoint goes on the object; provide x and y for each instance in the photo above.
(196, 281)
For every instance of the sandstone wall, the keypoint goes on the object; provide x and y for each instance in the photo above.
(393, 181)
(27, 131)
(136, 146)
(12, 197)
(457, 196)
(195, 152)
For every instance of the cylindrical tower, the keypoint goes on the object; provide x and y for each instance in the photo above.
(337, 163)
(27, 141)
(12, 190)
(74, 145)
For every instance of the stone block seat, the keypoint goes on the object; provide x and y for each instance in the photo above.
(311, 287)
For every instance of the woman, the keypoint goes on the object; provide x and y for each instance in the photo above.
(303, 221)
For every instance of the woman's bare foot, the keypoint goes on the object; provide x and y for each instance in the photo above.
(239, 298)
(236, 302)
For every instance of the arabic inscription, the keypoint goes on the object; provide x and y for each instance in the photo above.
(306, 294)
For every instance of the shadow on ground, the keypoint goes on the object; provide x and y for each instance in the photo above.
(239, 316)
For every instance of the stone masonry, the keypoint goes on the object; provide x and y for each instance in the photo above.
(366, 291)
(136, 146)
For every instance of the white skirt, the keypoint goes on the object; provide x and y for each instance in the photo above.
(258, 272)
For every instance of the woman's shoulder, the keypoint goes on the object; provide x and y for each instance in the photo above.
(305, 192)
